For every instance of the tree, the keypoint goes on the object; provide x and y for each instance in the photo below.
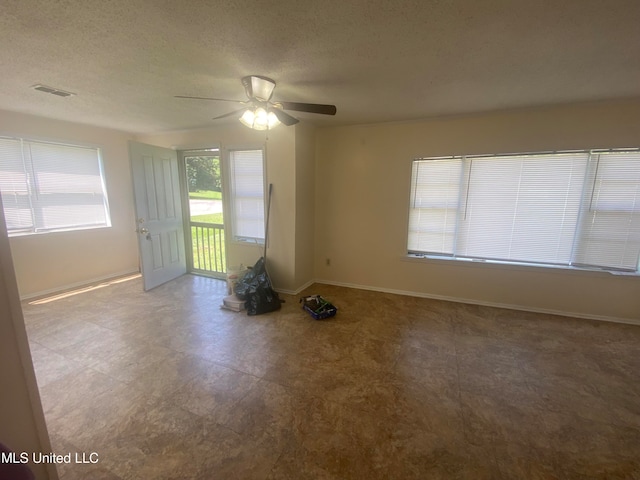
(203, 173)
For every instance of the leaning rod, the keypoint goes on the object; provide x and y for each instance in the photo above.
(266, 226)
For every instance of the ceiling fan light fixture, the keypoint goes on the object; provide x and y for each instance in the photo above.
(259, 119)
(259, 112)
(247, 118)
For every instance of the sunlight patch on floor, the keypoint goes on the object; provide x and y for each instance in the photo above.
(89, 288)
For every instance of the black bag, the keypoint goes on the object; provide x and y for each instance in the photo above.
(255, 289)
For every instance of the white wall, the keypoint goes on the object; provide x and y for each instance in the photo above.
(362, 199)
(54, 261)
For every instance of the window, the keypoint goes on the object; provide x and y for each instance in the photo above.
(570, 209)
(247, 195)
(50, 187)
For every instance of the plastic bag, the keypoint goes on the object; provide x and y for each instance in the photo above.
(241, 288)
(255, 289)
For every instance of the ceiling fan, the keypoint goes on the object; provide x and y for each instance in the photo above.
(259, 112)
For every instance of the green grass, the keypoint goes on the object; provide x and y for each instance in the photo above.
(208, 250)
(209, 218)
(206, 195)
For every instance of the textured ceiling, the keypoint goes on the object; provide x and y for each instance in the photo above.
(376, 60)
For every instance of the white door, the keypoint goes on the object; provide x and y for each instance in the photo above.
(159, 213)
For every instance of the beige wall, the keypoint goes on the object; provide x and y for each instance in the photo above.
(22, 425)
(280, 171)
(305, 204)
(362, 199)
(349, 204)
(54, 261)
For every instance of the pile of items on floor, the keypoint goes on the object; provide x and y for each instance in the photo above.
(251, 289)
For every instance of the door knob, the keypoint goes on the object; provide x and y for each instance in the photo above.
(143, 230)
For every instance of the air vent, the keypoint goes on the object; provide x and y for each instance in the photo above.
(52, 91)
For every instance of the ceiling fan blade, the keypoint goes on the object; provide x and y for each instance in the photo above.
(235, 112)
(309, 107)
(209, 98)
(285, 118)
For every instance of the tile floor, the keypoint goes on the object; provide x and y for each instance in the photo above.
(166, 385)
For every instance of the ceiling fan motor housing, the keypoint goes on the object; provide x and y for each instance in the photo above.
(258, 87)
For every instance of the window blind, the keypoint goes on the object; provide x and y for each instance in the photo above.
(578, 208)
(435, 192)
(14, 186)
(49, 187)
(247, 187)
(610, 229)
(522, 208)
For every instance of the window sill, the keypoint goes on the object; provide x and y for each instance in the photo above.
(248, 241)
(56, 231)
(501, 264)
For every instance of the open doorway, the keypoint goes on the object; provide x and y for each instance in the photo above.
(205, 232)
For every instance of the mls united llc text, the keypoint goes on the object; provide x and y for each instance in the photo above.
(39, 457)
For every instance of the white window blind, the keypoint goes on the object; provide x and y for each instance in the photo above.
(610, 230)
(51, 187)
(14, 186)
(435, 190)
(522, 208)
(577, 208)
(247, 194)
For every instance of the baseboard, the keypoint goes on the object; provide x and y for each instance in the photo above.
(73, 286)
(603, 318)
(521, 308)
(298, 290)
